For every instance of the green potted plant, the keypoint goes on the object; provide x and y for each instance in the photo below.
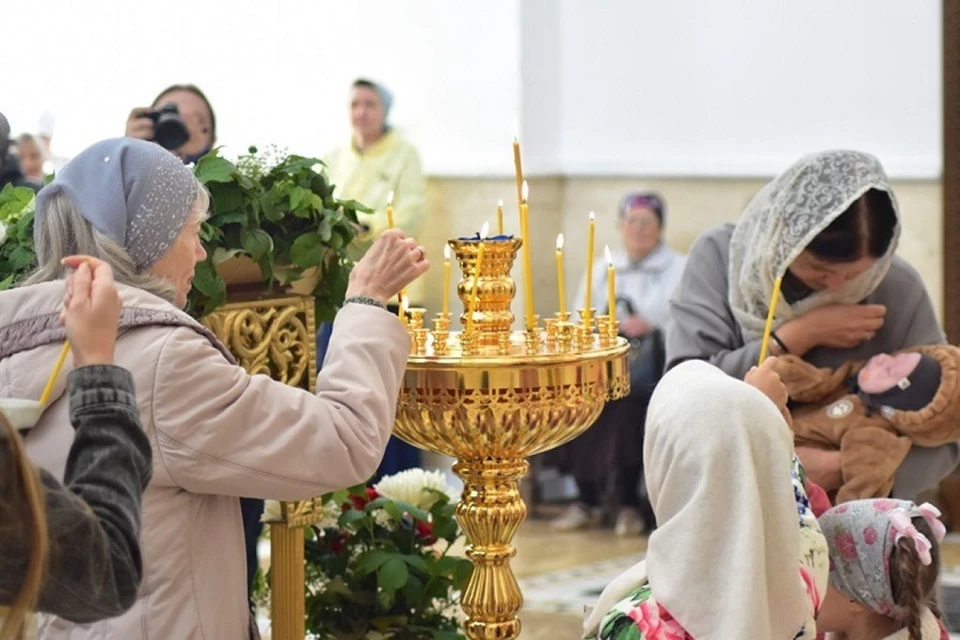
(17, 255)
(379, 564)
(275, 226)
(276, 213)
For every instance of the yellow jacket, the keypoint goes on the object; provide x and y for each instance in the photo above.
(390, 164)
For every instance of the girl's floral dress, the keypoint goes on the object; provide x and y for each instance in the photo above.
(640, 617)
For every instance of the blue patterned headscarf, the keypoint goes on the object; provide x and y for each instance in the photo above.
(135, 192)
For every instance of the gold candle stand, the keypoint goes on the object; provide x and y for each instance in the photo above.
(277, 337)
(491, 400)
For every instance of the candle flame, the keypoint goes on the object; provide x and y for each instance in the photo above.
(500, 204)
(560, 242)
(484, 230)
(525, 191)
(592, 216)
(390, 199)
(405, 302)
(606, 254)
(446, 252)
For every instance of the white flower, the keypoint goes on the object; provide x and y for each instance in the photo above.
(3, 233)
(413, 487)
(271, 512)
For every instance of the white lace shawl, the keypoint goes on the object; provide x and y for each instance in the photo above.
(783, 218)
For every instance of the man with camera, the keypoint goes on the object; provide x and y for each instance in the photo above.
(180, 120)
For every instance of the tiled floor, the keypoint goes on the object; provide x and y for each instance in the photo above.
(559, 573)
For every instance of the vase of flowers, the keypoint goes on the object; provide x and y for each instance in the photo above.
(379, 563)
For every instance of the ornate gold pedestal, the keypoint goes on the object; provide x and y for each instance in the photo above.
(277, 337)
(491, 399)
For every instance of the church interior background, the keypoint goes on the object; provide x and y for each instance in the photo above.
(702, 101)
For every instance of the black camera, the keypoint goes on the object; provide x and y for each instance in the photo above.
(169, 131)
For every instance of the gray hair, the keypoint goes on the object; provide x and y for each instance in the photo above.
(64, 232)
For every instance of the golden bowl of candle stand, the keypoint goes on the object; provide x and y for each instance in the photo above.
(492, 397)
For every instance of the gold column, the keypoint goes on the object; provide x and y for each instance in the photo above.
(286, 582)
(277, 337)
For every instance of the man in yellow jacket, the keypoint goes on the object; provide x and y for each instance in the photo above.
(376, 162)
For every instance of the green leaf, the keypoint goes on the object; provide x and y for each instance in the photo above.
(392, 575)
(393, 510)
(205, 278)
(21, 258)
(415, 512)
(356, 206)
(13, 200)
(462, 571)
(6, 282)
(413, 589)
(326, 229)
(237, 217)
(416, 562)
(351, 516)
(445, 529)
(371, 561)
(447, 565)
(256, 242)
(213, 168)
(296, 197)
(308, 250)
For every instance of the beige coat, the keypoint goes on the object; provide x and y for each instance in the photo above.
(217, 434)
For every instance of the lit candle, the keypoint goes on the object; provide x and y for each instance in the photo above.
(768, 329)
(390, 210)
(518, 168)
(500, 217)
(446, 280)
(404, 304)
(475, 294)
(611, 285)
(590, 236)
(560, 287)
(527, 264)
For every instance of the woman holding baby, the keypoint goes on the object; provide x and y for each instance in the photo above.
(828, 226)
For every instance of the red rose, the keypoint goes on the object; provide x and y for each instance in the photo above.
(425, 532)
(372, 494)
(845, 543)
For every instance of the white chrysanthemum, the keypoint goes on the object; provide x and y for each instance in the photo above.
(271, 512)
(413, 487)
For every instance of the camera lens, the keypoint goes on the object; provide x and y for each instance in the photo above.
(169, 130)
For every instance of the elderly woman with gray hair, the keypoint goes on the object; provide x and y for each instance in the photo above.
(217, 433)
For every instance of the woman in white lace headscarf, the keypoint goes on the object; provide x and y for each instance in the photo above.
(829, 226)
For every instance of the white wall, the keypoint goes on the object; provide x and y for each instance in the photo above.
(596, 87)
(279, 71)
(744, 87)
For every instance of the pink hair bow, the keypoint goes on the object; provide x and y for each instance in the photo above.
(905, 529)
(932, 515)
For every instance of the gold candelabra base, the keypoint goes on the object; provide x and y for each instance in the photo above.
(491, 408)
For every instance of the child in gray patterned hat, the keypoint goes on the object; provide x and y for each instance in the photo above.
(884, 564)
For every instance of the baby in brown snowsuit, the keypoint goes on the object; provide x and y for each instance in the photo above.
(874, 412)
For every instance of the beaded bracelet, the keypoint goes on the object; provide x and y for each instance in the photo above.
(370, 302)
